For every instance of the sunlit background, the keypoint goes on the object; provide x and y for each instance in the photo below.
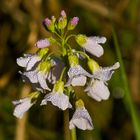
(21, 26)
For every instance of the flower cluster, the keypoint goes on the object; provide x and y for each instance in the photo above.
(55, 73)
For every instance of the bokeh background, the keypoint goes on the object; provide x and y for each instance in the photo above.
(21, 26)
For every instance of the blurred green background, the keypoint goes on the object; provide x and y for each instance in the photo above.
(21, 26)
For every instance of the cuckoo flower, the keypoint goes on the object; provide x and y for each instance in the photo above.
(81, 118)
(57, 74)
(97, 88)
(30, 60)
(57, 97)
(91, 44)
(40, 74)
(77, 75)
(24, 104)
(105, 73)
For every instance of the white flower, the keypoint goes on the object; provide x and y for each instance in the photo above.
(105, 73)
(57, 99)
(42, 43)
(81, 119)
(98, 90)
(22, 106)
(28, 61)
(93, 46)
(77, 76)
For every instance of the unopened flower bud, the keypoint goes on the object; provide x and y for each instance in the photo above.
(73, 60)
(81, 39)
(44, 66)
(73, 23)
(63, 14)
(49, 24)
(59, 86)
(93, 65)
(79, 103)
(62, 21)
(42, 52)
(42, 43)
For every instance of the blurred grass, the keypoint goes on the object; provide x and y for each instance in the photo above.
(20, 28)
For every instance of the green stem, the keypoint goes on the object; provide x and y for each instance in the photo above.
(73, 134)
(72, 35)
(83, 54)
(58, 35)
(69, 47)
(128, 100)
(62, 73)
(47, 56)
(66, 125)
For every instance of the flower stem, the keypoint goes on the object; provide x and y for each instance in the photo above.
(83, 54)
(73, 134)
(72, 35)
(127, 100)
(66, 125)
(62, 73)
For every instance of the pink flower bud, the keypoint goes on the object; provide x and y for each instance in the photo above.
(74, 21)
(46, 22)
(63, 13)
(42, 43)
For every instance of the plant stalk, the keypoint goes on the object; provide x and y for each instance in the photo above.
(127, 100)
(66, 125)
(73, 134)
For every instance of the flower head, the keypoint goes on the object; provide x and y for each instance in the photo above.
(81, 118)
(77, 75)
(91, 44)
(30, 60)
(60, 70)
(105, 73)
(40, 74)
(97, 88)
(24, 105)
(57, 97)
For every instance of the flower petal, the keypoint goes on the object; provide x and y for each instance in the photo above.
(23, 61)
(94, 48)
(104, 74)
(57, 99)
(81, 119)
(31, 75)
(77, 71)
(79, 81)
(98, 90)
(42, 43)
(34, 59)
(42, 81)
(21, 107)
(98, 40)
